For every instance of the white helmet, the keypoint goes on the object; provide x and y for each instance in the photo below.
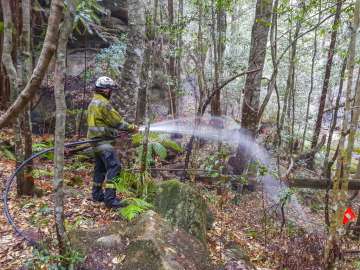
(105, 82)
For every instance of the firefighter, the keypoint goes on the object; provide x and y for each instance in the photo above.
(104, 122)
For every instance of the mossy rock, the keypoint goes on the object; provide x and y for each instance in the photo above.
(147, 243)
(182, 205)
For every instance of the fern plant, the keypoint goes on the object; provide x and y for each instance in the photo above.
(135, 207)
(37, 147)
(158, 146)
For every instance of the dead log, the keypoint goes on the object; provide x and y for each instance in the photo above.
(354, 184)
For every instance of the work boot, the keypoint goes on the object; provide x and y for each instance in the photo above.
(97, 194)
(110, 199)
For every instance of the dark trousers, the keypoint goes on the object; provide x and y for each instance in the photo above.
(107, 166)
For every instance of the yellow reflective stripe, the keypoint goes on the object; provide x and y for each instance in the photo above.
(109, 185)
(97, 184)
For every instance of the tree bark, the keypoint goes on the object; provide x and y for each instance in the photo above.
(141, 104)
(341, 179)
(327, 169)
(124, 100)
(26, 67)
(172, 63)
(59, 86)
(325, 88)
(311, 84)
(25, 182)
(259, 35)
(47, 52)
(219, 36)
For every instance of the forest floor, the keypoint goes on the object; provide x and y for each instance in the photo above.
(249, 220)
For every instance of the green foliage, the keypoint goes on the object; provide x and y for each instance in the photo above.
(135, 184)
(126, 183)
(158, 146)
(159, 150)
(7, 153)
(215, 163)
(109, 60)
(38, 173)
(285, 195)
(135, 207)
(1, 27)
(37, 147)
(87, 13)
(42, 259)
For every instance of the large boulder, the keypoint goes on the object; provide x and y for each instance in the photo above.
(182, 205)
(148, 243)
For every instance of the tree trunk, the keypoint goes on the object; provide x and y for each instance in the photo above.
(348, 111)
(325, 88)
(124, 100)
(311, 85)
(172, 63)
(59, 85)
(326, 168)
(26, 67)
(179, 45)
(25, 183)
(141, 103)
(341, 179)
(219, 37)
(47, 52)
(259, 35)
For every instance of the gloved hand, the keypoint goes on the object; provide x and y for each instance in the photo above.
(133, 128)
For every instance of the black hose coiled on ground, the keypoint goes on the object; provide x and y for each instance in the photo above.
(10, 181)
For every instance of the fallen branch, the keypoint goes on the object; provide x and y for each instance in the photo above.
(321, 183)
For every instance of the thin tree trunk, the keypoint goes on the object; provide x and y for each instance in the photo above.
(27, 66)
(325, 88)
(179, 45)
(59, 85)
(259, 35)
(219, 37)
(355, 112)
(311, 85)
(46, 54)
(172, 62)
(341, 180)
(144, 76)
(326, 168)
(24, 187)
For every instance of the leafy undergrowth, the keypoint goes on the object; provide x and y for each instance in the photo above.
(240, 219)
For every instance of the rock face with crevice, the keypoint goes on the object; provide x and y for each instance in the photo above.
(148, 243)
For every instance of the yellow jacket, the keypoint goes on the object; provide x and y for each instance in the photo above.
(103, 120)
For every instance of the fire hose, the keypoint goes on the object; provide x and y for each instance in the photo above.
(11, 179)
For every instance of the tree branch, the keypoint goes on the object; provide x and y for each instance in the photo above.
(48, 50)
(217, 90)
